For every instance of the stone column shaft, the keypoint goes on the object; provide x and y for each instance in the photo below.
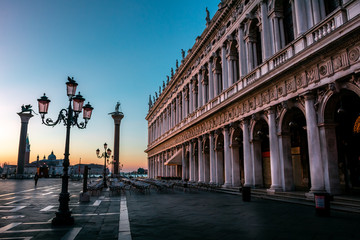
(315, 160)
(201, 161)
(274, 153)
(211, 82)
(212, 158)
(25, 117)
(248, 163)
(224, 67)
(227, 159)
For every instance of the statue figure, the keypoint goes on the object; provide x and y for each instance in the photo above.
(172, 72)
(182, 53)
(27, 108)
(117, 106)
(159, 90)
(207, 16)
(156, 96)
(154, 100)
(167, 79)
(177, 64)
(163, 85)
(150, 102)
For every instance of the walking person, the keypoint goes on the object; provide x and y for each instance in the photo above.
(36, 178)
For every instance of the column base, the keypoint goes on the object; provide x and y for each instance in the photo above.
(84, 197)
(273, 189)
(64, 219)
(226, 185)
(311, 195)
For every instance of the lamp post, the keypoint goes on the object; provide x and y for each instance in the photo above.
(69, 117)
(106, 155)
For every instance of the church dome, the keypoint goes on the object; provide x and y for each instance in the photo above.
(52, 156)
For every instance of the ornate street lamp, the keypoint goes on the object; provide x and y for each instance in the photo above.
(106, 155)
(70, 118)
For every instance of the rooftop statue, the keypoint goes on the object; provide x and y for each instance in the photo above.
(172, 72)
(207, 16)
(167, 79)
(177, 64)
(182, 53)
(163, 85)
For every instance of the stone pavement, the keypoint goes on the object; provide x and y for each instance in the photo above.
(209, 215)
(26, 213)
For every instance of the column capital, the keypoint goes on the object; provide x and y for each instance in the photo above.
(309, 95)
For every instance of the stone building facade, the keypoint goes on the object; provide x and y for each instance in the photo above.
(268, 96)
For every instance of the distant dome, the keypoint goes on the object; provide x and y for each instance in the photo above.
(52, 156)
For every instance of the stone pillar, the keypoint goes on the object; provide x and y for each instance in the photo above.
(301, 16)
(191, 162)
(212, 158)
(183, 161)
(191, 86)
(266, 34)
(330, 156)
(274, 153)
(25, 117)
(287, 178)
(200, 90)
(224, 67)
(201, 160)
(211, 81)
(315, 160)
(248, 163)
(227, 159)
(235, 161)
(163, 174)
(242, 52)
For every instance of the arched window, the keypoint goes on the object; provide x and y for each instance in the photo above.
(288, 22)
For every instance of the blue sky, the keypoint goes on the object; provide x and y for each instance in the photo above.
(116, 51)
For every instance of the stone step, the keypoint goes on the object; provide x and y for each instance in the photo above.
(341, 203)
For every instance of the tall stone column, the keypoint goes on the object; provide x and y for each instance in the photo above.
(211, 81)
(315, 160)
(224, 67)
(201, 160)
(248, 163)
(301, 17)
(191, 161)
(191, 99)
(200, 90)
(227, 159)
(274, 153)
(25, 117)
(265, 33)
(117, 116)
(212, 158)
(242, 52)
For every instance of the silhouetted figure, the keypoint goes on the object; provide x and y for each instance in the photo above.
(36, 178)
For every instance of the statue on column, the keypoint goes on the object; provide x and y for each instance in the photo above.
(117, 106)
